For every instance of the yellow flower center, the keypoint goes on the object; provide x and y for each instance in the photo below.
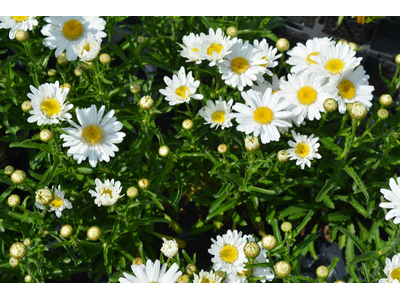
(51, 107)
(57, 202)
(206, 280)
(307, 95)
(309, 60)
(346, 89)
(20, 19)
(218, 117)
(302, 149)
(239, 65)
(266, 60)
(396, 274)
(214, 48)
(245, 272)
(72, 30)
(274, 91)
(92, 134)
(195, 50)
(229, 254)
(86, 47)
(182, 91)
(263, 115)
(153, 282)
(334, 66)
(107, 191)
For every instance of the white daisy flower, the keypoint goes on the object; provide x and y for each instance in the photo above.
(301, 56)
(392, 270)
(59, 203)
(261, 86)
(269, 55)
(392, 195)
(63, 32)
(307, 93)
(237, 277)
(265, 272)
(303, 149)
(335, 60)
(218, 113)
(352, 86)
(151, 273)
(216, 46)
(94, 137)
(48, 104)
(88, 48)
(169, 248)
(206, 277)
(228, 252)
(262, 115)
(17, 23)
(181, 88)
(242, 66)
(191, 48)
(106, 193)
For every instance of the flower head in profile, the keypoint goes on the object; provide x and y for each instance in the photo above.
(106, 193)
(152, 273)
(17, 23)
(94, 137)
(393, 196)
(218, 113)
(191, 48)
(216, 46)
(181, 88)
(206, 277)
(392, 270)
(303, 149)
(88, 48)
(59, 203)
(49, 105)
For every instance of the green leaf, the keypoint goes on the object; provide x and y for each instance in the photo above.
(303, 224)
(360, 245)
(349, 170)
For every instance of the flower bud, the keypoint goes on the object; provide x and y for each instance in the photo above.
(353, 46)
(322, 272)
(13, 200)
(251, 143)
(8, 170)
(87, 65)
(141, 39)
(220, 274)
(386, 100)
(187, 124)
(383, 114)
(52, 72)
(163, 151)
(144, 183)
(342, 41)
(169, 248)
(62, 59)
(65, 86)
(357, 110)
(395, 135)
(66, 231)
(21, 36)
(222, 148)
(45, 135)
(78, 72)
(251, 249)
(286, 226)
(282, 269)
(18, 176)
(44, 196)
(14, 262)
(282, 156)
(183, 279)
(137, 261)
(190, 269)
(27, 242)
(135, 88)
(28, 278)
(132, 192)
(18, 250)
(282, 44)
(146, 102)
(105, 59)
(231, 31)
(269, 242)
(339, 281)
(26, 106)
(93, 233)
(330, 105)
(397, 59)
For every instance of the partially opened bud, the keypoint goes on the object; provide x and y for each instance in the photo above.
(65, 86)
(44, 196)
(330, 105)
(144, 183)
(342, 41)
(190, 269)
(251, 143)
(282, 156)
(358, 110)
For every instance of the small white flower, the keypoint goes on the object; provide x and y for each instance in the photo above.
(392, 270)
(191, 48)
(106, 193)
(151, 273)
(48, 104)
(59, 203)
(216, 46)
(181, 88)
(236, 278)
(393, 196)
(268, 54)
(206, 277)
(261, 86)
(17, 23)
(303, 149)
(95, 137)
(88, 48)
(169, 248)
(218, 113)
(251, 143)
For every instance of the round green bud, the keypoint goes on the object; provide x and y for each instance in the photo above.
(141, 39)
(14, 262)
(105, 59)
(78, 72)
(286, 226)
(8, 170)
(21, 36)
(282, 269)
(322, 272)
(397, 59)
(18, 176)
(251, 249)
(144, 183)
(163, 151)
(187, 124)
(13, 200)
(28, 278)
(66, 231)
(26, 106)
(330, 105)
(353, 46)
(222, 148)
(62, 59)
(231, 31)
(146, 102)
(269, 242)
(135, 88)
(282, 44)
(52, 72)
(137, 261)
(183, 279)
(383, 114)
(385, 100)
(132, 192)
(358, 111)
(18, 250)
(190, 269)
(27, 242)
(282, 156)
(93, 233)
(45, 135)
